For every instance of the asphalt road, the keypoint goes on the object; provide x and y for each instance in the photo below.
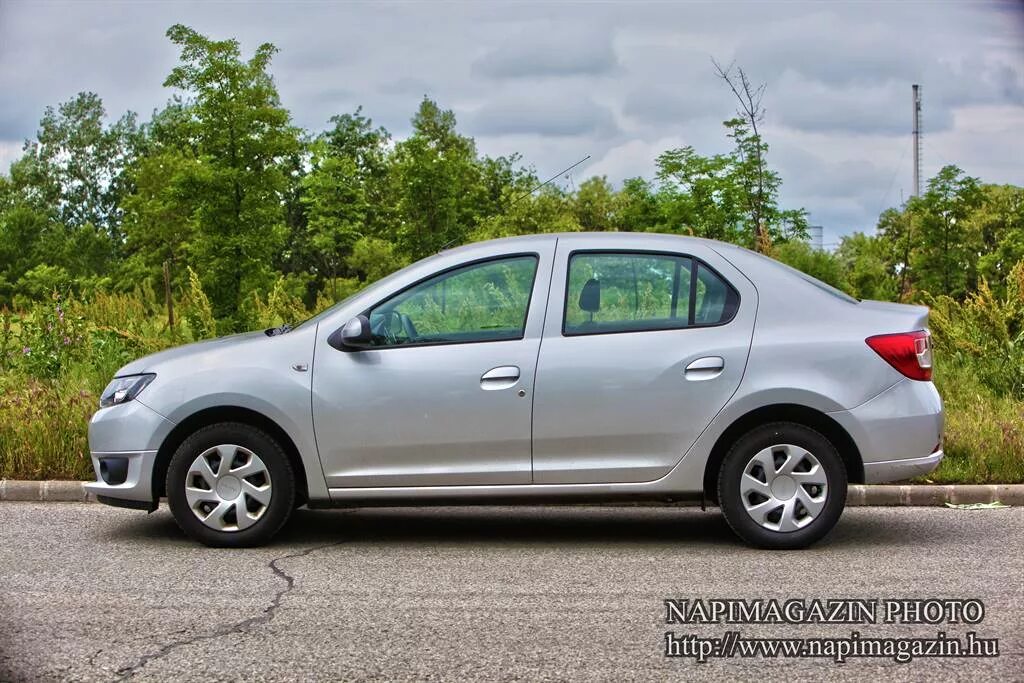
(89, 592)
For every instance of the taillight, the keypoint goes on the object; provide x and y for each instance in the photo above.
(908, 352)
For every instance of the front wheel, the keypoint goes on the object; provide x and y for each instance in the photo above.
(230, 485)
(781, 486)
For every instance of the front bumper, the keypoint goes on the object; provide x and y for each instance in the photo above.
(137, 485)
(124, 440)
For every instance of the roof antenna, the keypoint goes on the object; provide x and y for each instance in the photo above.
(523, 196)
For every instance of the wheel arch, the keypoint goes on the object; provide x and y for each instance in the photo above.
(213, 415)
(784, 412)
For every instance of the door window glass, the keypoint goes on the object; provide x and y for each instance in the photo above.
(632, 292)
(485, 301)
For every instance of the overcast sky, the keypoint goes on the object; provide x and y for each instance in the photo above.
(621, 82)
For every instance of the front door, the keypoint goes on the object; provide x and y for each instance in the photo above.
(641, 350)
(443, 395)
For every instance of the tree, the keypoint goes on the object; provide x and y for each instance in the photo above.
(815, 262)
(549, 209)
(61, 204)
(159, 220)
(437, 182)
(712, 196)
(76, 164)
(234, 120)
(896, 231)
(595, 204)
(700, 195)
(354, 137)
(945, 250)
(868, 265)
(636, 207)
(25, 234)
(334, 196)
(373, 258)
(998, 224)
(760, 184)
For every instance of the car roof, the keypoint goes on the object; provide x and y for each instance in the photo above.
(610, 237)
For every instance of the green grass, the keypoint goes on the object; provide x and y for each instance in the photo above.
(43, 429)
(984, 432)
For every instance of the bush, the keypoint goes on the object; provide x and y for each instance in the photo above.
(43, 430)
(985, 333)
(815, 262)
(50, 340)
(984, 432)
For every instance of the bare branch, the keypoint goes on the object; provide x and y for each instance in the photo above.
(750, 110)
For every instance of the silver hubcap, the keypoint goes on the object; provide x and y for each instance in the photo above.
(228, 488)
(784, 488)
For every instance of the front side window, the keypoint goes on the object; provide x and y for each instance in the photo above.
(635, 292)
(486, 301)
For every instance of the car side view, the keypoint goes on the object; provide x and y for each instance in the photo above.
(568, 368)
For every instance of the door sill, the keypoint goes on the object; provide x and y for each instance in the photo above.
(513, 493)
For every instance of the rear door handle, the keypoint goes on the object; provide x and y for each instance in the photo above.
(500, 378)
(708, 367)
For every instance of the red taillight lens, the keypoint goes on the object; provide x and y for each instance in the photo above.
(908, 352)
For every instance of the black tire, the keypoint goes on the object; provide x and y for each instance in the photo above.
(737, 459)
(282, 482)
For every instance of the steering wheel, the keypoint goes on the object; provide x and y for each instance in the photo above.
(387, 330)
(410, 329)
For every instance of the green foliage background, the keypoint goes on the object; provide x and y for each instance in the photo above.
(259, 223)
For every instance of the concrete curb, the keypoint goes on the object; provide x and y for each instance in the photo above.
(925, 495)
(50, 491)
(916, 495)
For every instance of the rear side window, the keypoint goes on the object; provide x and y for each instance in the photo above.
(635, 292)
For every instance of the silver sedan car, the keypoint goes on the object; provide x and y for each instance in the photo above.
(549, 368)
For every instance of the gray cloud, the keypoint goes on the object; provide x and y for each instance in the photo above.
(550, 51)
(554, 116)
(822, 108)
(661, 105)
(826, 76)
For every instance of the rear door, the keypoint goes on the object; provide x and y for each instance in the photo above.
(641, 350)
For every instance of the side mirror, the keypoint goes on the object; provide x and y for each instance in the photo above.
(355, 334)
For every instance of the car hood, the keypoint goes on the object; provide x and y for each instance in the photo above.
(149, 363)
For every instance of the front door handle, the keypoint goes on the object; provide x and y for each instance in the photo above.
(500, 378)
(708, 367)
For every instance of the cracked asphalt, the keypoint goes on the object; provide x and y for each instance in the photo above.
(89, 592)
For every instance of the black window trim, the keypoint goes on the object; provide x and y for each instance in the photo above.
(465, 264)
(695, 263)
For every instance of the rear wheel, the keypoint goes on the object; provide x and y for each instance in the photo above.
(782, 485)
(230, 485)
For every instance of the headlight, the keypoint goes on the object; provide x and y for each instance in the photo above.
(124, 389)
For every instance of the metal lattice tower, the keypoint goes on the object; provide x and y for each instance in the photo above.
(917, 140)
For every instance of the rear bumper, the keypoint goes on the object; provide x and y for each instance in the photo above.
(898, 432)
(897, 470)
